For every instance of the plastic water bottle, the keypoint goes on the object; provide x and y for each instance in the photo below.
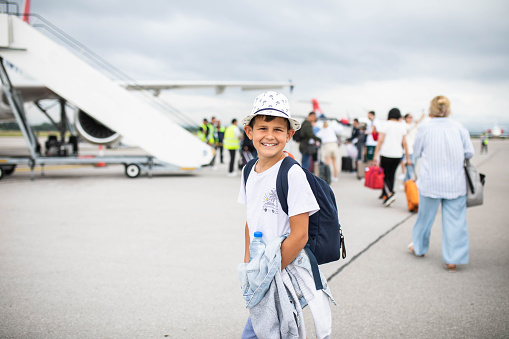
(257, 246)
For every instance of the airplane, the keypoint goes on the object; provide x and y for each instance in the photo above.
(496, 131)
(105, 109)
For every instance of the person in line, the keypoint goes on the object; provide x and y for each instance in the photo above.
(371, 137)
(361, 142)
(355, 131)
(411, 132)
(271, 127)
(232, 137)
(358, 139)
(307, 145)
(392, 135)
(330, 148)
(442, 145)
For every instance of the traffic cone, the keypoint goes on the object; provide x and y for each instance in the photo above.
(101, 153)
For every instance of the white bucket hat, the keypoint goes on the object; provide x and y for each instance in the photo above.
(272, 103)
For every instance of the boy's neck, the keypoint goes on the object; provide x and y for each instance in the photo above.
(264, 164)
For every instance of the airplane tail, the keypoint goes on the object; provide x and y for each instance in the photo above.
(26, 12)
(316, 107)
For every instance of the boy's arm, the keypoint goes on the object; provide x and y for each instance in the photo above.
(297, 239)
(247, 242)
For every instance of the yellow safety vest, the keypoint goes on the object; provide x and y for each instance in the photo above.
(202, 130)
(230, 140)
(210, 137)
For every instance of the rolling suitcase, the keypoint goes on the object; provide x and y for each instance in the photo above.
(346, 164)
(412, 194)
(321, 169)
(361, 169)
(325, 173)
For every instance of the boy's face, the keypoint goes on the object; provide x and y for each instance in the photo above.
(269, 137)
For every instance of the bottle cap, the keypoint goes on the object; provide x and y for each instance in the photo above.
(258, 234)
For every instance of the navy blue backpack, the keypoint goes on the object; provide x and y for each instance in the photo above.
(325, 238)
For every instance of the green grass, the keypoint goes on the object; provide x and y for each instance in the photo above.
(4, 133)
(11, 134)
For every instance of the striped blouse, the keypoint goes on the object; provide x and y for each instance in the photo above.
(442, 145)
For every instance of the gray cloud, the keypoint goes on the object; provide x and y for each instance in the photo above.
(345, 42)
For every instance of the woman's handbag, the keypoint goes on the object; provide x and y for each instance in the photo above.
(374, 177)
(475, 185)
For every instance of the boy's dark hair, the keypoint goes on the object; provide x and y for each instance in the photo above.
(407, 115)
(372, 112)
(394, 114)
(234, 121)
(269, 118)
(356, 120)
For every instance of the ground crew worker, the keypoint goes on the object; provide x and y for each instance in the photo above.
(220, 138)
(232, 137)
(211, 136)
(203, 130)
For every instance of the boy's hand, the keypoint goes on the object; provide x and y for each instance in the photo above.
(297, 239)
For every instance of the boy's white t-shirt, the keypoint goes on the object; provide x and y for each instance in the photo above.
(392, 146)
(264, 212)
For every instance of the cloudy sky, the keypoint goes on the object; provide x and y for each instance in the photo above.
(353, 56)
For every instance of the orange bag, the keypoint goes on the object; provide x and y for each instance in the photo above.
(412, 195)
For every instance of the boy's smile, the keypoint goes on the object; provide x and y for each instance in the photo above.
(269, 137)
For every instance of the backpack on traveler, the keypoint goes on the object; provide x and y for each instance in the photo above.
(325, 238)
(297, 136)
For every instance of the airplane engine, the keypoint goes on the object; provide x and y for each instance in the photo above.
(93, 131)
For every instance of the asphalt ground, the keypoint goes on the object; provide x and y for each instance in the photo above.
(87, 253)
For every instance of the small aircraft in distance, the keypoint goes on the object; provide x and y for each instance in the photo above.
(496, 131)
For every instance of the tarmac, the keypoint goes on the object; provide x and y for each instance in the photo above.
(86, 252)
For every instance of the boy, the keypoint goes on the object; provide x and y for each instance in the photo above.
(270, 127)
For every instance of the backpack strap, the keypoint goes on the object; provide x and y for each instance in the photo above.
(247, 170)
(282, 182)
(282, 193)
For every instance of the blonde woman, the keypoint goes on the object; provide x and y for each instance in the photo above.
(442, 145)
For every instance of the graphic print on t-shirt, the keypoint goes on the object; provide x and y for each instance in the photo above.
(270, 203)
